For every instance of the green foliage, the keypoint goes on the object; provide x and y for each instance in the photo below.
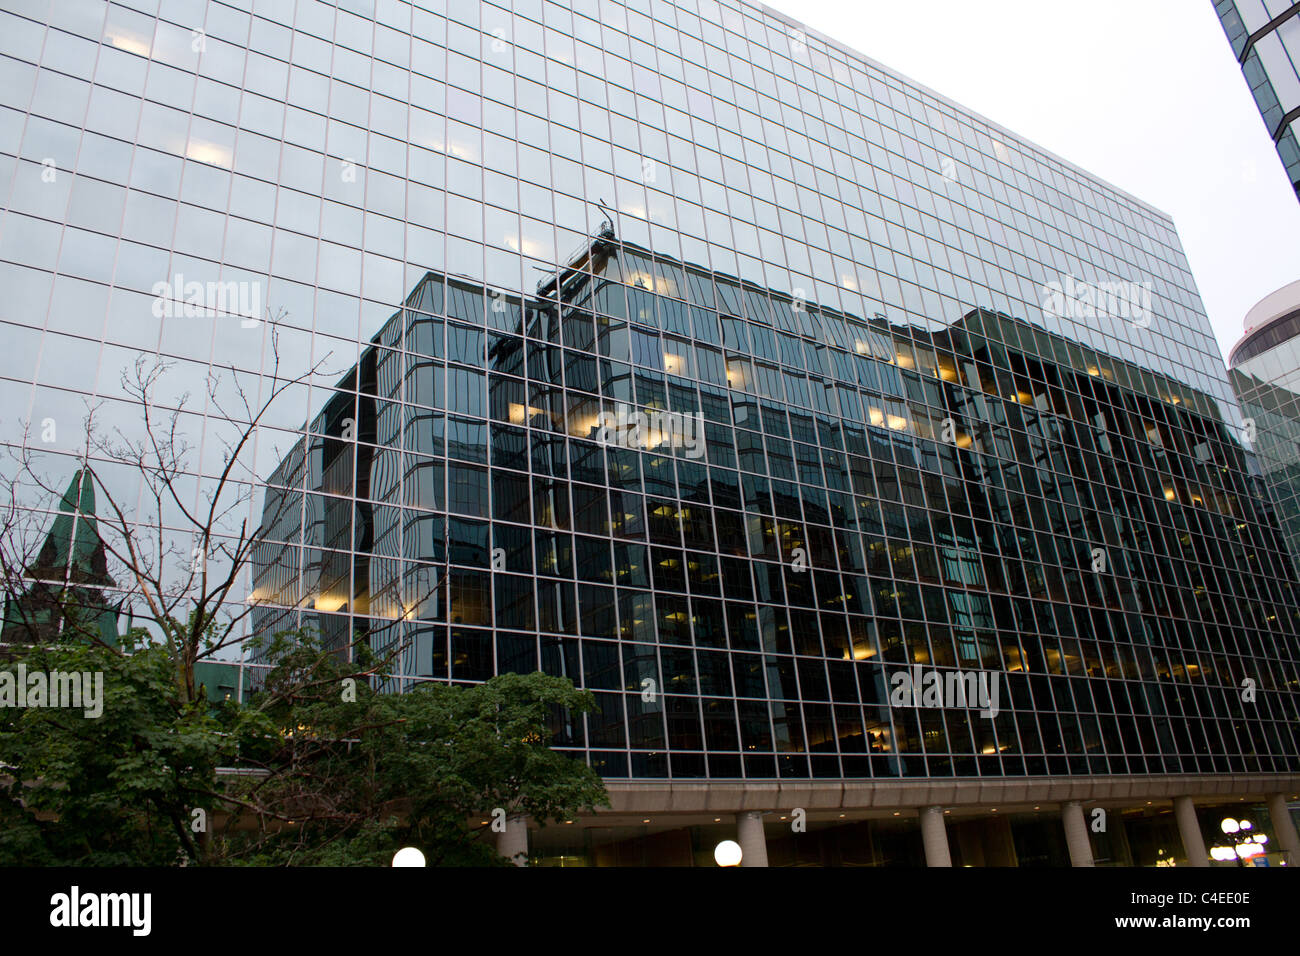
(332, 771)
(391, 770)
(112, 790)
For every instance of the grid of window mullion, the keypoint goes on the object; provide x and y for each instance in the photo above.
(833, 101)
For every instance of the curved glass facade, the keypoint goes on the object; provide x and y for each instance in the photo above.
(667, 346)
(1265, 372)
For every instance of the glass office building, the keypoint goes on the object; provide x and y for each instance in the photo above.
(1265, 372)
(682, 351)
(1265, 37)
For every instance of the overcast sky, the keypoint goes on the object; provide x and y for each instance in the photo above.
(1142, 93)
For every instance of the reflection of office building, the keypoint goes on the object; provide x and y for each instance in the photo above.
(1265, 372)
(1265, 36)
(953, 491)
(513, 225)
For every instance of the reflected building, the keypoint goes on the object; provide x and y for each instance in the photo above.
(682, 351)
(1265, 38)
(1265, 370)
(986, 495)
(64, 594)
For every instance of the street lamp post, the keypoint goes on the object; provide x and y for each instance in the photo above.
(1245, 841)
(408, 856)
(727, 853)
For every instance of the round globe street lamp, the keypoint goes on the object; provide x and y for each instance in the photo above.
(1246, 843)
(408, 856)
(727, 853)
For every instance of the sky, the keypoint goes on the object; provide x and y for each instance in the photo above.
(1144, 94)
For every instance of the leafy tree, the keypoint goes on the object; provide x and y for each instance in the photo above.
(112, 790)
(352, 774)
(329, 771)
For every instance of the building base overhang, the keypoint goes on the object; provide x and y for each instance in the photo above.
(738, 796)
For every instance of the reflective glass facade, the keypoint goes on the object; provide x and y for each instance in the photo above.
(1265, 36)
(1265, 372)
(958, 403)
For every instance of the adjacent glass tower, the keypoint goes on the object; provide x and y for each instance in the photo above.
(1265, 371)
(1265, 36)
(668, 347)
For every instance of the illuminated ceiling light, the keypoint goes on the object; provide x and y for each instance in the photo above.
(130, 44)
(528, 247)
(458, 150)
(519, 414)
(644, 280)
(210, 153)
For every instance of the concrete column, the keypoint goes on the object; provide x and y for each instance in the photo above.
(752, 839)
(1076, 834)
(512, 843)
(935, 837)
(1284, 828)
(1189, 828)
